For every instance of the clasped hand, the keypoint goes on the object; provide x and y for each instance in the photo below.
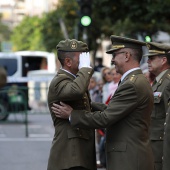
(62, 111)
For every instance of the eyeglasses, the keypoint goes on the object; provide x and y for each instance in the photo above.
(114, 54)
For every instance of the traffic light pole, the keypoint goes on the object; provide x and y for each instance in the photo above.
(85, 36)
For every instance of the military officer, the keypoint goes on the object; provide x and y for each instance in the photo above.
(166, 146)
(159, 65)
(127, 116)
(72, 148)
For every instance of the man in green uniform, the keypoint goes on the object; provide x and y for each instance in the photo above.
(72, 148)
(159, 65)
(127, 116)
(166, 143)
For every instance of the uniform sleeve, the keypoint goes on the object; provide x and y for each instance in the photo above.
(166, 146)
(166, 95)
(66, 89)
(123, 103)
(98, 106)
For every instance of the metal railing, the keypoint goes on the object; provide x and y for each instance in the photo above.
(23, 100)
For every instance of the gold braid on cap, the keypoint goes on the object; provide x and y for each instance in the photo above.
(156, 51)
(118, 46)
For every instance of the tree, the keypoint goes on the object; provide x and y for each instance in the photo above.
(131, 17)
(5, 32)
(52, 32)
(27, 35)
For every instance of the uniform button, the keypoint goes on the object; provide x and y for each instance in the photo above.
(113, 148)
(165, 123)
(160, 137)
(162, 157)
(84, 97)
(167, 113)
(88, 72)
(164, 133)
(77, 128)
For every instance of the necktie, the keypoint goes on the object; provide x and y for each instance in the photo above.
(119, 83)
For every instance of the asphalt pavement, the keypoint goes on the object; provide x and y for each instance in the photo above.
(19, 152)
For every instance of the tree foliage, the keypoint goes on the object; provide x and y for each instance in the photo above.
(129, 18)
(52, 32)
(5, 32)
(27, 35)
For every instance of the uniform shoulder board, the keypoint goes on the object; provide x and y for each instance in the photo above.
(168, 76)
(61, 75)
(132, 78)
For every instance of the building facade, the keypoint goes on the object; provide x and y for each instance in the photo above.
(13, 11)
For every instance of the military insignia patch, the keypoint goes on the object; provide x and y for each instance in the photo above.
(118, 46)
(73, 45)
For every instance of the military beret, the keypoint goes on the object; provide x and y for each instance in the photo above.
(157, 49)
(72, 46)
(123, 42)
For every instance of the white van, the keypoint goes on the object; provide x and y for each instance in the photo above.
(25, 68)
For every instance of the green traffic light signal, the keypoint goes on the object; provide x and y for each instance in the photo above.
(147, 39)
(86, 21)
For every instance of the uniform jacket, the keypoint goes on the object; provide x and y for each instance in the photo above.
(166, 143)
(127, 119)
(71, 146)
(161, 95)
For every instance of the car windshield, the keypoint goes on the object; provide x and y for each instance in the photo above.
(9, 64)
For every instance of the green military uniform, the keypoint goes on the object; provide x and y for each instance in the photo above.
(166, 145)
(3, 77)
(161, 90)
(126, 119)
(71, 147)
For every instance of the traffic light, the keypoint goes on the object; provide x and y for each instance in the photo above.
(147, 38)
(85, 12)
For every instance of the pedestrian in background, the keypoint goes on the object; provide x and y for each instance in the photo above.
(116, 78)
(127, 116)
(94, 90)
(107, 82)
(72, 148)
(98, 64)
(159, 65)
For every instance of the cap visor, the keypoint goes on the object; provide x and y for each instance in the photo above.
(153, 54)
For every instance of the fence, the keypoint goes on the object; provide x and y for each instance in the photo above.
(23, 100)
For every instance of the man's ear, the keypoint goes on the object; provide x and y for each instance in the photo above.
(127, 56)
(68, 62)
(164, 60)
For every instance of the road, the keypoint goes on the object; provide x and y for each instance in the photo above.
(19, 152)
